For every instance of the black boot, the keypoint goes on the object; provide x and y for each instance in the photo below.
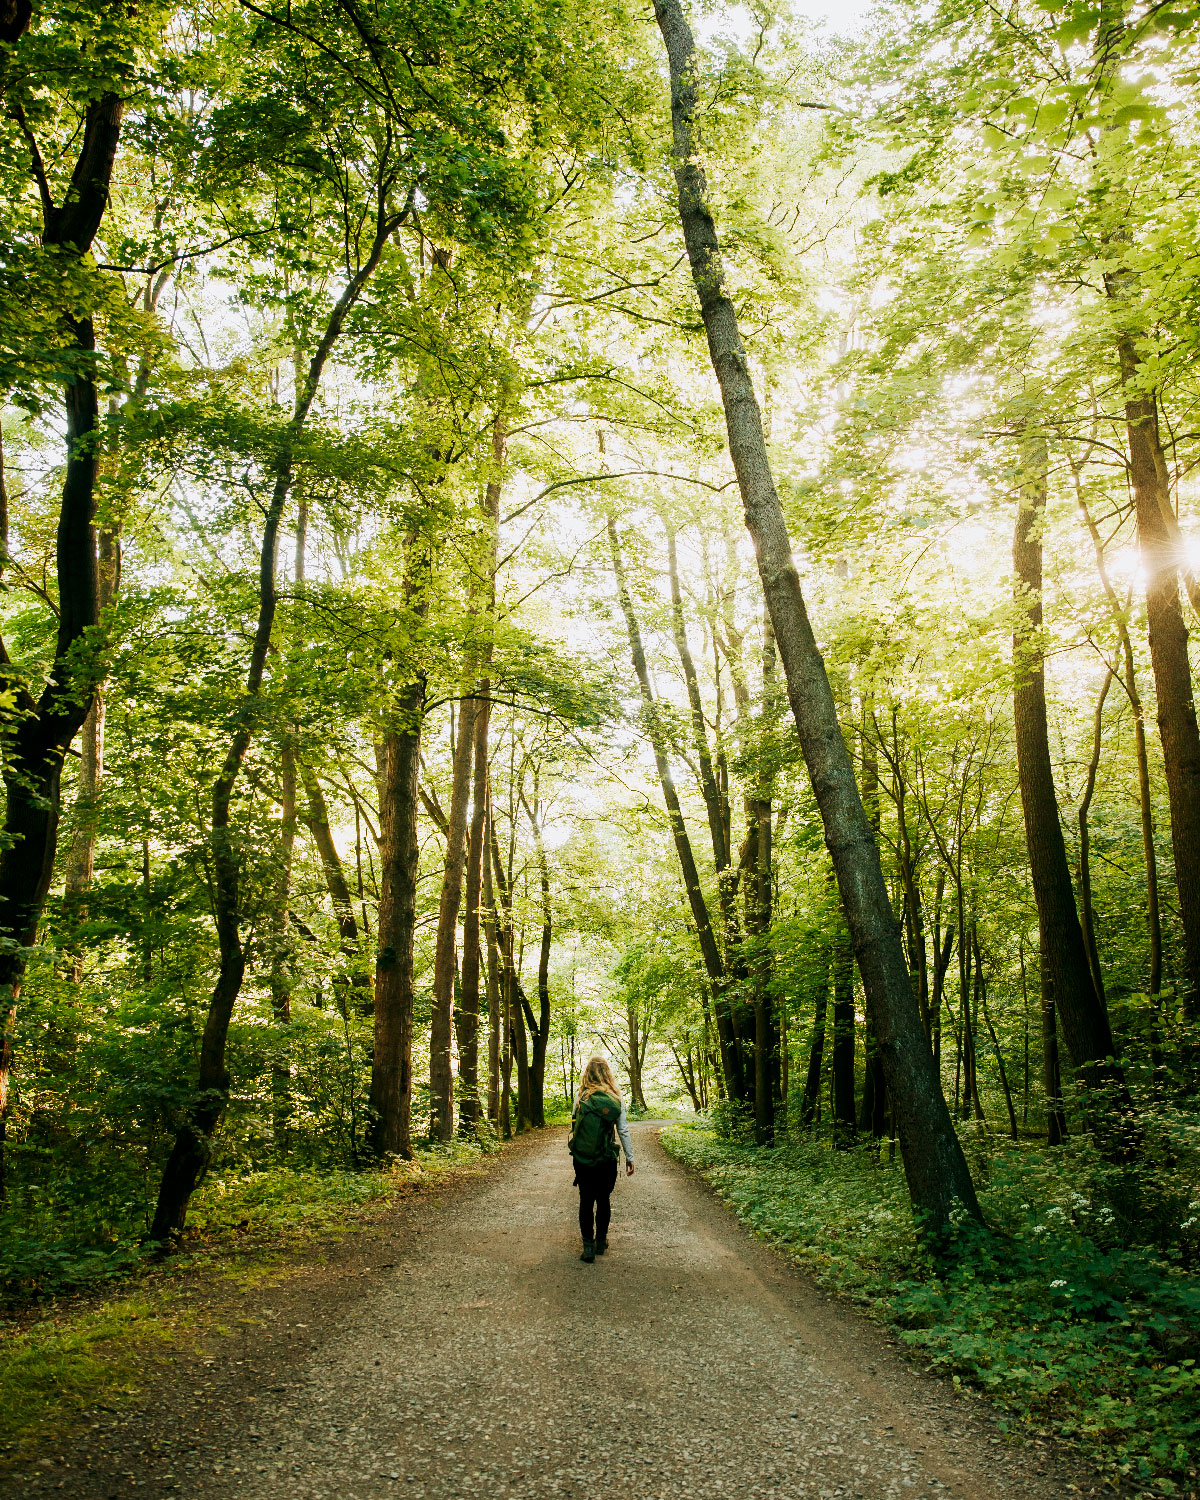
(589, 1251)
(602, 1244)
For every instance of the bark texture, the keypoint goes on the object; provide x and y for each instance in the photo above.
(936, 1169)
(281, 946)
(389, 1132)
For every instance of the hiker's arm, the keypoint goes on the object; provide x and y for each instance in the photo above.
(626, 1143)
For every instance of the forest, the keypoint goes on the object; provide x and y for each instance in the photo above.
(528, 528)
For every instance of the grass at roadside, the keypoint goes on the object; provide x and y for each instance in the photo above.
(65, 1354)
(57, 1367)
(1070, 1331)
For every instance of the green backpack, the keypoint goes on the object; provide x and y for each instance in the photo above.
(594, 1135)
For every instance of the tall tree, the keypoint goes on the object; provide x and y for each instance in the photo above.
(1067, 975)
(441, 1073)
(467, 1016)
(938, 1177)
(540, 1030)
(710, 950)
(1177, 725)
(42, 724)
(193, 1142)
(389, 1130)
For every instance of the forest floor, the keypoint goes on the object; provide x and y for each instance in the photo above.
(458, 1347)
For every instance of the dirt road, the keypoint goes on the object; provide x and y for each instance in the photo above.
(482, 1358)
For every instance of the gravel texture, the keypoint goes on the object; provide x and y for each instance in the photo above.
(463, 1350)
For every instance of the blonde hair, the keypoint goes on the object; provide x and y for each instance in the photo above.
(597, 1077)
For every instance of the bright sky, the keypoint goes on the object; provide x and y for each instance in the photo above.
(846, 16)
(840, 15)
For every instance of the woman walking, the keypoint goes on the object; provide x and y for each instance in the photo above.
(597, 1120)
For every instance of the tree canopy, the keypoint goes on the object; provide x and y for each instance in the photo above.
(538, 528)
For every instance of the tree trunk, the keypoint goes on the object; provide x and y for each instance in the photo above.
(636, 1097)
(758, 926)
(1063, 952)
(844, 1116)
(937, 1173)
(1146, 806)
(81, 857)
(716, 806)
(1169, 658)
(1056, 1119)
(708, 783)
(506, 1007)
(282, 954)
(942, 955)
(495, 1020)
(1085, 860)
(714, 964)
(987, 1021)
(441, 1073)
(541, 1033)
(873, 1114)
(1025, 1033)
(811, 1097)
(281, 948)
(689, 1073)
(914, 915)
(389, 1130)
(46, 725)
(520, 1046)
(512, 998)
(316, 821)
(466, 1019)
(766, 1053)
(352, 979)
(971, 1029)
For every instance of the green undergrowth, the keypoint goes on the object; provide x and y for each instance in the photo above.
(281, 1207)
(1072, 1327)
(72, 1340)
(657, 1109)
(61, 1241)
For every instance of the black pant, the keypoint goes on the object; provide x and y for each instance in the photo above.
(595, 1185)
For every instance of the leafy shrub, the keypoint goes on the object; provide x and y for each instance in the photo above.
(732, 1121)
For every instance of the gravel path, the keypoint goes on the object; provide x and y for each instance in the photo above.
(486, 1360)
